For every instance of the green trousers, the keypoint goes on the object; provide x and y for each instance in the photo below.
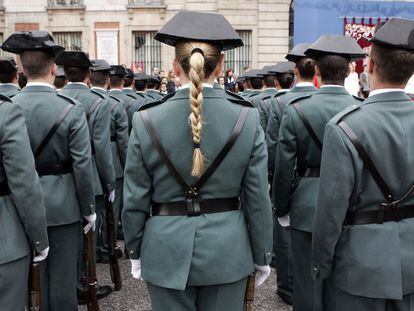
(223, 297)
(58, 272)
(14, 277)
(346, 302)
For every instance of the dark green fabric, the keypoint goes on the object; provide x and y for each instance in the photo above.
(22, 214)
(296, 149)
(154, 94)
(224, 297)
(9, 90)
(99, 130)
(282, 260)
(69, 196)
(212, 248)
(262, 103)
(371, 260)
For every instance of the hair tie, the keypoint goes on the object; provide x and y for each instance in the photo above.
(197, 50)
(196, 146)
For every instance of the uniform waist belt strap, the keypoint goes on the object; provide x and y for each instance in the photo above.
(55, 169)
(206, 207)
(4, 189)
(371, 217)
(309, 172)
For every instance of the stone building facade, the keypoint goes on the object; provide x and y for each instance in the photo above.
(122, 31)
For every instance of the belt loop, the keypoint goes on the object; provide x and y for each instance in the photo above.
(395, 209)
(381, 210)
(193, 204)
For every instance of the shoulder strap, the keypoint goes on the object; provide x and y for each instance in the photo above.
(214, 165)
(367, 161)
(130, 95)
(307, 125)
(93, 108)
(279, 103)
(52, 131)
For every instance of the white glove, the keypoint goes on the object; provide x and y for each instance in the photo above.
(111, 196)
(284, 221)
(262, 273)
(91, 219)
(136, 269)
(42, 255)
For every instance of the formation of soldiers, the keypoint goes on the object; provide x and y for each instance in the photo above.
(104, 143)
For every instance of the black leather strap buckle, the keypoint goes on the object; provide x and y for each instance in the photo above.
(193, 204)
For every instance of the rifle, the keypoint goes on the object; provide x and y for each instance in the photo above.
(249, 296)
(113, 256)
(34, 285)
(92, 304)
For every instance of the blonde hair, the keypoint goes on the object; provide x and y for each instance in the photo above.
(198, 60)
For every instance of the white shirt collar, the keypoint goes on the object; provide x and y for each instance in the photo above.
(186, 86)
(270, 88)
(98, 88)
(128, 88)
(40, 84)
(303, 84)
(9, 84)
(382, 91)
(115, 90)
(80, 83)
(331, 85)
(284, 90)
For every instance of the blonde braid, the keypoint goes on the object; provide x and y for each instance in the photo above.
(196, 75)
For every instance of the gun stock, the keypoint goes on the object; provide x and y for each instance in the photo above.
(113, 256)
(92, 304)
(34, 285)
(249, 296)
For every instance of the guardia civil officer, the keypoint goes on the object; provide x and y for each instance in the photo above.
(60, 79)
(59, 139)
(98, 115)
(130, 103)
(129, 83)
(255, 81)
(364, 219)
(182, 221)
(140, 84)
(119, 144)
(298, 158)
(22, 208)
(9, 78)
(152, 91)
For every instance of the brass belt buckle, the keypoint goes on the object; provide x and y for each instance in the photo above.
(193, 204)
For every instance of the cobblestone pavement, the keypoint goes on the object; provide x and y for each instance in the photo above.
(134, 297)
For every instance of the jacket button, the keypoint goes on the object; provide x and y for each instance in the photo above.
(131, 252)
(37, 242)
(315, 269)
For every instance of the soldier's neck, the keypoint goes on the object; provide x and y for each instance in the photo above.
(47, 79)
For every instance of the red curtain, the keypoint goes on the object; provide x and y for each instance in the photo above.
(361, 29)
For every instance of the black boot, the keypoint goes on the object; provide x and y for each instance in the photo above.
(101, 292)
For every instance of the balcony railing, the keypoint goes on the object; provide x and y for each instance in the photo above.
(65, 3)
(146, 3)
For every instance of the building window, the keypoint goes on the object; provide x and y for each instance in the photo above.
(71, 41)
(65, 2)
(241, 57)
(146, 52)
(146, 2)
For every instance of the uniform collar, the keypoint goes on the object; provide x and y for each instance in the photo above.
(304, 84)
(9, 84)
(389, 96)
(100, 89)
(78, 83)
(383, 91)
(40, 84)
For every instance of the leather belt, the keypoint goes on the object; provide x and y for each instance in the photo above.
(55, 169)
(4, 189)
(308, 172)
(384, 214)
(193, 207)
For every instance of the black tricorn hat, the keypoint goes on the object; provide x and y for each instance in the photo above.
(8, 66)
(298, 52)
(20, 42)
(60, 73)
(73, 59)
(284, 67)
(268, 70)
(140, 77)
(152, 78)
(397, 33)
(339, 45)
(253, 73)
(204, 27)
(129, 73)
(100, 65)
(118, 70)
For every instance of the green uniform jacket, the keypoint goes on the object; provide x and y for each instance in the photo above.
(370, 260)
(99, 128)
(154, 94)
(119, 133)
(246, 94)
(210, 249)
(131, 104)
(275, 117)
(22, 214)
(296, 149)
(8, 89)
(142, 96)
(68, 196)
(131, 92)
(264, 104)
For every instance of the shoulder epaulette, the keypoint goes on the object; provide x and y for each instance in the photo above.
(358, 98)
(255, 94)
(129, 95)
(236, 99)
(99, 94)
(142, 95)
(298, 99)
(67, 98)
(339, 117)
(279, 94)
(156, 102)
(266, 97)
(115, 98)
(4, 98)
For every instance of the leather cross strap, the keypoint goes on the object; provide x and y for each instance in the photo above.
(192, 191)
(93, 108)
(53, 130)
(114, 105)
(367, 161)
(307, 125)
(282, 109)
